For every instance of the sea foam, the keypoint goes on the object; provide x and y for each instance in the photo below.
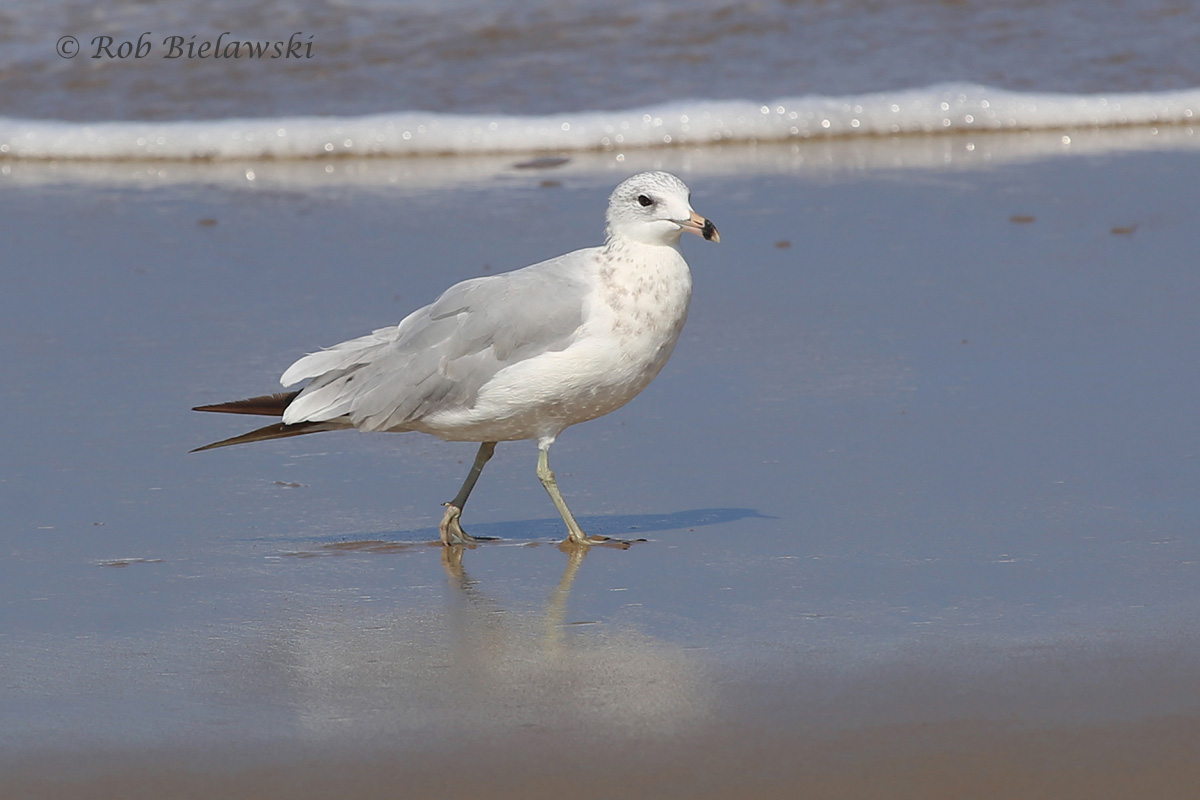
(941, 109)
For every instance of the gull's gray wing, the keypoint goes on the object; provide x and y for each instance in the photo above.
(440, 355)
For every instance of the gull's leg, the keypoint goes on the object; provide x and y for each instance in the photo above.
(575, 534)
(452, 532)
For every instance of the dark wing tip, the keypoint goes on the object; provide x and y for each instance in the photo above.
(266, 405)
(276, 430)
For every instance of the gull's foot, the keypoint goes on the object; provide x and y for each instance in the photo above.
(452, 532)
(572, 542)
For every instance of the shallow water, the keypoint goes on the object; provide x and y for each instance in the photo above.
(929, 436)
(399, 77)
(550, 56)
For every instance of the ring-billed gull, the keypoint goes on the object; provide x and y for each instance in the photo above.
(518, 355)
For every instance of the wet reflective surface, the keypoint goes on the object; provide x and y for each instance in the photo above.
(926, 454)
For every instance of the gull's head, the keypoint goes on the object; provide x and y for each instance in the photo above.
(655, 208)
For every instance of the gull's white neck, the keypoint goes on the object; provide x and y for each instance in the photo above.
(641, 235)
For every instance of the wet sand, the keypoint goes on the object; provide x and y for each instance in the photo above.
(917, 493)
(737, 757)
(537, 712)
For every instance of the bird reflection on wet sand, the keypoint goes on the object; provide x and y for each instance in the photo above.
(555, 612)
(483, 662)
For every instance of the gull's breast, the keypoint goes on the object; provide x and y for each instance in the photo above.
(635, 314)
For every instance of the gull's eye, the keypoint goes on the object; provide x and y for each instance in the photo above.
(645, 201)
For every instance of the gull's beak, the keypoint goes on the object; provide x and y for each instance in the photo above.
(701, 227)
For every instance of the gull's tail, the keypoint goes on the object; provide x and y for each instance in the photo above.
(268, 405)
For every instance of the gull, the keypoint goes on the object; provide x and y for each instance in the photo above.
(513, 356)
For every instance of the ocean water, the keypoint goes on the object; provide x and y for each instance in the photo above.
(420, 78)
